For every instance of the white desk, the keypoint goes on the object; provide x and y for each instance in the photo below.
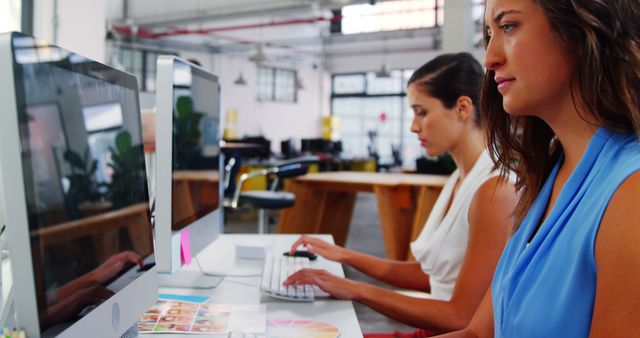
(221, 257)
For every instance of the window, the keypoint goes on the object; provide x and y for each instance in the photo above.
(369, 104)
(478, 11)
(10, 13)
(142, 64)
(392, 15)
(276, 84)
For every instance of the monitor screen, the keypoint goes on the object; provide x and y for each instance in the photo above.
(195, 149)
(102, 116)
(83, 175)
(188, 193)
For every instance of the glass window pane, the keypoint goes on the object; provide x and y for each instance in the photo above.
(478, 11)
(406, 75)
(285, 87)
(440, 14)
(384, 85)
(388, 16)
(349, 84)
(150, 76)
(265, 83)
(125, 58)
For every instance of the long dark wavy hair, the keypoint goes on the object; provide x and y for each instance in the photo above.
(448, 77)
(604, 36)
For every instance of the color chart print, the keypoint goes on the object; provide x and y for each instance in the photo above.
(173, 316)
(300, 328)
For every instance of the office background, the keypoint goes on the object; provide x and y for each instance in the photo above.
(284, 66)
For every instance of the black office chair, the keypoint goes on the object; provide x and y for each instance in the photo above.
(270, 199)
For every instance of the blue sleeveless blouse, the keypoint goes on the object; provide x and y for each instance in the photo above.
(547, 288)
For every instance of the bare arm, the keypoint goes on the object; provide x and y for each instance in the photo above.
(481, 325)
(100, 274)
(617, 304)
(490, 225)
(406, 275)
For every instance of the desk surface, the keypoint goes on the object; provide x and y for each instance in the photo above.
(220, 257)
(387, 179)
(196, 175)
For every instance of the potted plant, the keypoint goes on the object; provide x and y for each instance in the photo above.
(187, 133)
(83, 189)
(128, 168)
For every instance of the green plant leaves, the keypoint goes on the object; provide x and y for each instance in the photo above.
(123, 141)
(74, 159)
(184, 105)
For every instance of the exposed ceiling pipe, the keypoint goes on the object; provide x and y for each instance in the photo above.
(146, 33)
(149, 33)
(265, 8)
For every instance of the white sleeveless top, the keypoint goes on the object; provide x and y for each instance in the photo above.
(441, 246)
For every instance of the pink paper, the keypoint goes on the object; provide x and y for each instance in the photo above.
(185, 247)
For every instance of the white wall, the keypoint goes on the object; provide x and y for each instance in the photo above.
(81, 25)
(276, 121)
(10, 11)
(458, 29)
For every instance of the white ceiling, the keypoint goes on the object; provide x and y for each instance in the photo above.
(289, 29)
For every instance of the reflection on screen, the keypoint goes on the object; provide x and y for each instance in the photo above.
(84, 175)
(103, 116)
(195, 145)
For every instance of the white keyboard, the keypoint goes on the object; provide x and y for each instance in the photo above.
(276, 270)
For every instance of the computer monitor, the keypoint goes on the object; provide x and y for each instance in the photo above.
(188, 193)
(77, 234)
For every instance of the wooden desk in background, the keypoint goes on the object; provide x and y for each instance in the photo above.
(194, 192)
(103, 230)
(325, 201)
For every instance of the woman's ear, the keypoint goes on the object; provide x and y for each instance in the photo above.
(464, 108)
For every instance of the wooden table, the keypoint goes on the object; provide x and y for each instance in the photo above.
(103, 230)
(325, 201)
(195, 193)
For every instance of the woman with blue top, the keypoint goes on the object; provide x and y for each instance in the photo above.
(470, 223)
(562, 105)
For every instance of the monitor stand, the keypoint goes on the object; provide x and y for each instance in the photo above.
(188, 280)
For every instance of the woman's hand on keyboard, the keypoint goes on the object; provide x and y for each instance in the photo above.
(335, 286)
(328, 251)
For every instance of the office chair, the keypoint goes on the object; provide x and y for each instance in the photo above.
(270, 199)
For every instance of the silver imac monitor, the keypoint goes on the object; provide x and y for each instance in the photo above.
(75, 192)
(188, 193)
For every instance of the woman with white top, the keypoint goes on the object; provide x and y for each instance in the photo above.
(469, 225)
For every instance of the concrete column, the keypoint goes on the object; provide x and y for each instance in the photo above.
(458, 28)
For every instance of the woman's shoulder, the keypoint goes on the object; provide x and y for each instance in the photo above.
(497, 195)
(494, 189)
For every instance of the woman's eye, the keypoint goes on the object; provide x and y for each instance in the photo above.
(507, 27)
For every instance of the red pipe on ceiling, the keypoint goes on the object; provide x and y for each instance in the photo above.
(146, 33)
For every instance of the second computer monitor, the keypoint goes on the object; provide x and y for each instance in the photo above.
(188, 193)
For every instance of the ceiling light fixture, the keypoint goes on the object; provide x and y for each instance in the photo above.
(384, 71)
(259, 56)
(240, 81)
